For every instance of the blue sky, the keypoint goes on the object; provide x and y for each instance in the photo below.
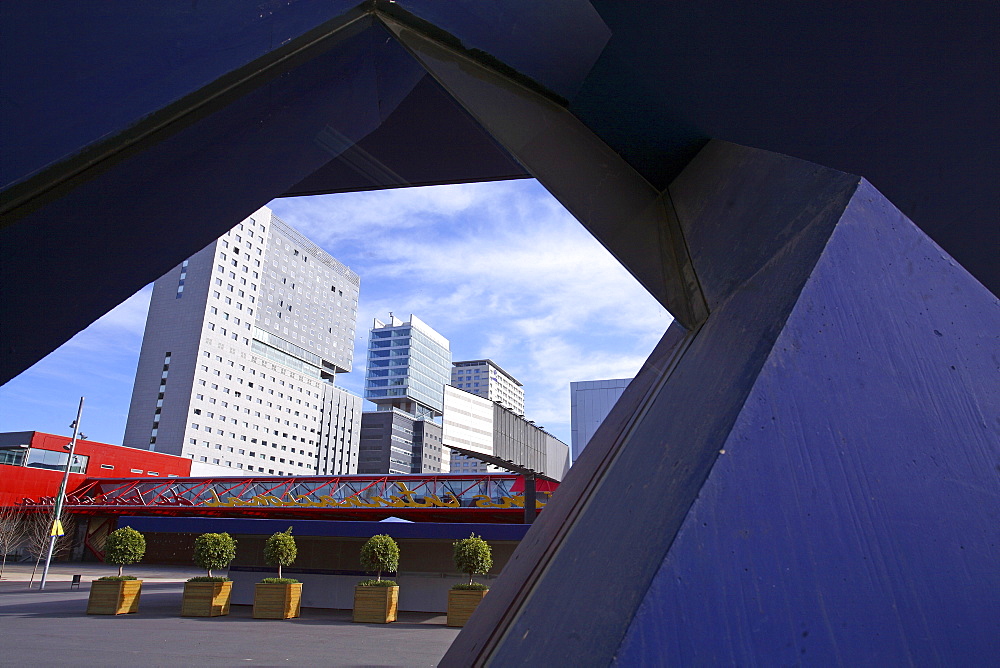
(500, 269)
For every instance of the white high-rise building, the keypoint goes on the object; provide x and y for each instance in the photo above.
(242, 344)
(486, 379)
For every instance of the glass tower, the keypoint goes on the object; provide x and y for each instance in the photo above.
(408, 366)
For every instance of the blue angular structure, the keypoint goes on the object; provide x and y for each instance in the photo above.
(803, 454)
(805, 470)
(847, 521)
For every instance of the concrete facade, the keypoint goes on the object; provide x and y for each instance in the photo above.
(590, 403)
(242, 344)
(486, 379)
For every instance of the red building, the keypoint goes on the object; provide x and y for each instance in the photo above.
(32, 464)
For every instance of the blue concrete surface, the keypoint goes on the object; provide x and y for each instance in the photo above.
(853, 517)
(866, 501)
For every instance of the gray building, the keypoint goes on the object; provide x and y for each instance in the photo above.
(590, 403)
(242, 344)
(394, 441)
(408, 367)
(493, 435)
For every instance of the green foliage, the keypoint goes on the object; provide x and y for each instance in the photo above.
(278, 581)
(118, 578)
(380, 553)
(280, 550)
(124, 546)
(214, 550)
(377, 583)
(471, 586)
(473, 555)
(208, 578)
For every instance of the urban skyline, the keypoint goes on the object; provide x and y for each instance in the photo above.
(491, 265)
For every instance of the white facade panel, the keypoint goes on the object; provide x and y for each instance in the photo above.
(468, 421)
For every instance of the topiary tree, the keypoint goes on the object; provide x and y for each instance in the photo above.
(280, 550)
(214, 550)
(124, 546)
(473, 556)
(380, 553)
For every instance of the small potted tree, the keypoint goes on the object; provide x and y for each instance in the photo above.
(118, 594)
(375, 601)
(278, 598)
(473, 556)
(208, 595)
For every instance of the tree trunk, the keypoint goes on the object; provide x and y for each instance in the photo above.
(120, 567)
(279, 571)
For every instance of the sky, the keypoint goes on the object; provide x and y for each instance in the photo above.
(500, 269)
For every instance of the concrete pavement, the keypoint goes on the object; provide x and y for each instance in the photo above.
(51, 628)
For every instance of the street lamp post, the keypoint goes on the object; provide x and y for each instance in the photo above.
(62, 494)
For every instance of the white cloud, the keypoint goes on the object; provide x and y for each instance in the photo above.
(503, 271)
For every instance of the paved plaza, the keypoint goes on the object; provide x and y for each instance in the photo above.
(51, 628)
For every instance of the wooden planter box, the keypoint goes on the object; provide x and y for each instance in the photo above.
(114, 597)
(206, 599)
(277, 601)
(375, 605)
(462, 603)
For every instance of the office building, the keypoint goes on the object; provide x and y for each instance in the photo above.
(408, 367)
(486, 379)
(590, 403)
(242, 344)
(494, 437)
(393, 441)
